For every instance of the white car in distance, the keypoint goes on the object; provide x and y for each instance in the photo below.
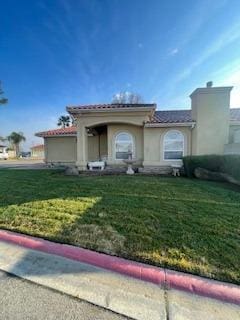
(3, 153)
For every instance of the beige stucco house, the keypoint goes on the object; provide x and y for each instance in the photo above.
(37, 151)
(156, 139)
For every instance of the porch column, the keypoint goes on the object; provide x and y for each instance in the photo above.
(150, 148)
(82, 146)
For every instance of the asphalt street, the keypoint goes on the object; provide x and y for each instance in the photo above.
(21, 299)
(22, 164)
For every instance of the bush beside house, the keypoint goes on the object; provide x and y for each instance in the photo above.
(228, 164)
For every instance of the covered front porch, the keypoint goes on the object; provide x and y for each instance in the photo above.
(110, 133)
(110, 144)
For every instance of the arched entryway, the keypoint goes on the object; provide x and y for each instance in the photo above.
(97, 143)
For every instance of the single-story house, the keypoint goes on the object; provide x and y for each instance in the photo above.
(156, 139)
(37, 151)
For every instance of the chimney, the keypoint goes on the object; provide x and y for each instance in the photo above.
(209, 84)
(210, 110)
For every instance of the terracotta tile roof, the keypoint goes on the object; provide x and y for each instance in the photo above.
(172, 116)
(235, 114)
(110, 106)
(58, 132)
(38, 146)
(181, 116)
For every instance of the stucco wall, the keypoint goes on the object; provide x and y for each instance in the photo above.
(97, 147)
(234, 133)
(103, 144)
(61, 149)
(210, 110)
(93, 148)
(101, 118)
(37, 153)
(135, 131)
(153, 145)
(232, 148)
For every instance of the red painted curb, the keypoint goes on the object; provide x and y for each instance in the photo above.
(205, 287)
(173, 279)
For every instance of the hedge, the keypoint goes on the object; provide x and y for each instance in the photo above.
(229, 164)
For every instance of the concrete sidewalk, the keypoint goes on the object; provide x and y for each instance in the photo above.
(130, 297)
(18, 299)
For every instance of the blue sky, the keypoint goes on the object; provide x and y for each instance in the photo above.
(55, 53)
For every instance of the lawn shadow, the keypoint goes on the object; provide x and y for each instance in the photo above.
(117, 216)
(36, 263)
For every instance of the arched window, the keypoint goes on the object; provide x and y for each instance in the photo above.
(173, 145)
(124, 146)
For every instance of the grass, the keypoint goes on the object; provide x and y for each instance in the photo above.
(183, 224)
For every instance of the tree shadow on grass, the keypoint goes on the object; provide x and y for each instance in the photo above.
(116, 215)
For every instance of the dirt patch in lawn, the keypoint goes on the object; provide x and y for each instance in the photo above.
(101, 238)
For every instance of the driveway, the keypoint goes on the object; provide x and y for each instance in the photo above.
(24, 300)
(22, 164)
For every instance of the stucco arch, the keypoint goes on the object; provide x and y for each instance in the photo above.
(92, 124)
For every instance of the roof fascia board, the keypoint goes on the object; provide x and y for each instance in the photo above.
(55, 135)
(114, 110)
(169, 124)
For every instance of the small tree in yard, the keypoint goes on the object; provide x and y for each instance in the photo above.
(127, 97)
(15, 138)
(64, 121)
(2, 99)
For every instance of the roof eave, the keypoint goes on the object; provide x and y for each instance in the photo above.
(169, 124)
(74, 111)
(42, 135)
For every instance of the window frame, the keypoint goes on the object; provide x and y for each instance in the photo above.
(115, 140)
(164, 141)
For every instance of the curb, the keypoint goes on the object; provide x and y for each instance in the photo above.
(163, 277)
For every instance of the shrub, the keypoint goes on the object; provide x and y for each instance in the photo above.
(229, 164)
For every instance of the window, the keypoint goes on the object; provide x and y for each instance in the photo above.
(173, 145)
(236, 138)
(123, 146)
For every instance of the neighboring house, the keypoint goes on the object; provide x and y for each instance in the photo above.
(11, 153)
(37, 151)
(157, 139)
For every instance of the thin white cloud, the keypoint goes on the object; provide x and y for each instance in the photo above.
(229, 75)
(225, 39)
(174, 51)
(183, 37)
(202, 12)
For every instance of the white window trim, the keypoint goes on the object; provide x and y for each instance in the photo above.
(114, 143)
(163, 142)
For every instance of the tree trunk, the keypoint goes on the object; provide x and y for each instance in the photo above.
(17, 149)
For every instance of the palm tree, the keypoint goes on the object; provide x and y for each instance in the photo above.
(64, 121)
(2, 99)
(15, 138)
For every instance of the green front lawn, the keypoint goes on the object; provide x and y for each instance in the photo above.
(183, 224)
